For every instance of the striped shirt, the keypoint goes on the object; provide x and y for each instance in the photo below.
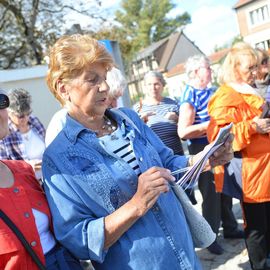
(165, 129)
(121, 147)
(198, 99)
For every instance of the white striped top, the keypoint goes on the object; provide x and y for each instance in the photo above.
(122, 147)
(165, 129)
(198, 98)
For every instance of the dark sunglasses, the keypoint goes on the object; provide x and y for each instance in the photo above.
(4, 101)
(264, 61)
(21, 116)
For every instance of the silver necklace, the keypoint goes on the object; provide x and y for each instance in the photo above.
(107, 128)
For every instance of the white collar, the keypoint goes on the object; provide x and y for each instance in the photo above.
(244, 88)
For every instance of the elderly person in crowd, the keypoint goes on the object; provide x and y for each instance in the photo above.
(262, 82)
(23, 201)
(192, 125)
(117, 84)
(160, 113)
(26, 139)
(107, 174)
(248, 174)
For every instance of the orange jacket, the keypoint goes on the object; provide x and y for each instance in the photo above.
(227, 106)
(17, 202)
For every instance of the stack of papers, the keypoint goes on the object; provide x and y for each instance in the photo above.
(190, 178)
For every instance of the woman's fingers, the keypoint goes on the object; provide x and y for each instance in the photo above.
(224, 154)
(262, 125)
(151, 184)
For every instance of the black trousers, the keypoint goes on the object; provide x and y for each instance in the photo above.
(229, 222)
(215, 207)
(257, 233)
(210, 198)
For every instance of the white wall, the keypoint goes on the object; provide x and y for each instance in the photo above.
(32, 79)
(176, 85)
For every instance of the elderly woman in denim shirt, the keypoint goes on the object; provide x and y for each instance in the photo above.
(107, 174)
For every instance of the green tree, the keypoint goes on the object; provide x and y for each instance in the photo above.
(234, 40)
(146, 21)
(29, 27)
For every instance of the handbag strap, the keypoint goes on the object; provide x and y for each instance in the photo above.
(21, 237)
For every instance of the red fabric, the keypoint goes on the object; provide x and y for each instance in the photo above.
(227, 106)
(17, 202)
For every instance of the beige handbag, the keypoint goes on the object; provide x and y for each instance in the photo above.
(201, 232)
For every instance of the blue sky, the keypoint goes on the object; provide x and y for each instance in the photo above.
(214, 22)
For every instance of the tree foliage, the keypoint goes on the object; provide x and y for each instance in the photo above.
(234, 40)
(29, 27)
(147, 21)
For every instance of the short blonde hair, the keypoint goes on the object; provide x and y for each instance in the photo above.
(229, 69)
(71, 55)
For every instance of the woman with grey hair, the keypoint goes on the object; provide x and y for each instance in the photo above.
(192, 126)
(118, 84)
(158, 112)
(24, 205)
(26, 139)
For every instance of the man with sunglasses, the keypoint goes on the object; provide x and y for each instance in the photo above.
(26, 133)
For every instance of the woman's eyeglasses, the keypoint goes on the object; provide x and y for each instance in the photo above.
(265, 61)
(23, 115)
(4, 101)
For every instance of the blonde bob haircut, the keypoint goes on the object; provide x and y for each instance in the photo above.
(70, 56)
(239, 53)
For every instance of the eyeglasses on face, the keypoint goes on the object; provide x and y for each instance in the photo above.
(4, 101)
(94, 79)
(252, 68)
(265, 61)
(23, 115)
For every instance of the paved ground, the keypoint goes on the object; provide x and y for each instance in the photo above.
(235, 256)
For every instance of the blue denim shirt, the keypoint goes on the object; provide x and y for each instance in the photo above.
(84, 184)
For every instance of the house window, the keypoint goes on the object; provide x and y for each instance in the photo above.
(259, 15)
(263, 44)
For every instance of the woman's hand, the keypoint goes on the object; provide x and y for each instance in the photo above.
(151, 184)
(262, 125)
(145, 116)
(220, 157)
(224, 154)
(172, 116)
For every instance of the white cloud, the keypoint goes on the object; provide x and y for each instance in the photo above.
(212, 25)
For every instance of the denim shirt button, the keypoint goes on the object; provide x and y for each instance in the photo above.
(141, 159)
(26, 214)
